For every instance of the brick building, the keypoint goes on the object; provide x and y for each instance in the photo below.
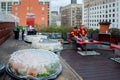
(30, 12)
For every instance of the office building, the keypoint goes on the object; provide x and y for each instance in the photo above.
(71, 15)
(73, 1)
(54, 15)
(97, 11)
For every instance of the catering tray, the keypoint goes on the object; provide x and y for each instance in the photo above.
(2, 68)
(17, 77)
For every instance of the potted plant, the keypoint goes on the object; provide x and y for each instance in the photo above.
(17, 30)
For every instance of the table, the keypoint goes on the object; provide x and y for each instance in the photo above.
(116, 49)
(89, 45)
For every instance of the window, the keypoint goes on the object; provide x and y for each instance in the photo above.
(113, 10)
(47, 3)
(113, 4)
(109, 5)
(113, 20)
(73, 11)
(103, 6)
(103, 2)
(43, 8)
(103, 16)
(9, 3)
(109, 15)
(106, 12)
(106, 6)
(16, 8)
(106, 16)
(40, 2)
(110, 10)
(3, 3)
(43, 18)
(113, 15)
(97, 16)
(109, 20)
(15, 2)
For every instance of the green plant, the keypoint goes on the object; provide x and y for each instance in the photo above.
(114, 31)
(91, 30)
(54, 29)
(18, 28)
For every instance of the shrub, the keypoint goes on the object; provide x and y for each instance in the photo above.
(18, 28)
(114, 31)
(53, 29)
(91, 30)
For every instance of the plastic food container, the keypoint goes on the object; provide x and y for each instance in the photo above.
(46, 63)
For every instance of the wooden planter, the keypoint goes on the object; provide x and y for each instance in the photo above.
(104, 26)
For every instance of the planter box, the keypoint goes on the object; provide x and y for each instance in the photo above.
(16, 34)
(53, 35)
(94, 36)
(104, 26)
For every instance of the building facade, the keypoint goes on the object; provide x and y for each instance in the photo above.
(48, 2)
(6, 7)
(54, 15)
(96, 11)
(73, 1)
(71, 15)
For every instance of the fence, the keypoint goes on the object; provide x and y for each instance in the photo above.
(6, 30)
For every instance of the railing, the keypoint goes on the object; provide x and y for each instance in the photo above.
(6, 30)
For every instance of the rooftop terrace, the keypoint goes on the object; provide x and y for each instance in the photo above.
(99, 67)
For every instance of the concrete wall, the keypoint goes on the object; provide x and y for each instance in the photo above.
(6, 30)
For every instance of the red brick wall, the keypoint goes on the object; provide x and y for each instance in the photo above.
(6, 30)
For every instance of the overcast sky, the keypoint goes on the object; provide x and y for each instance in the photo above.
(55, 4)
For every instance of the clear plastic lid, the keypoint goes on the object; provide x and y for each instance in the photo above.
(45, 63)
